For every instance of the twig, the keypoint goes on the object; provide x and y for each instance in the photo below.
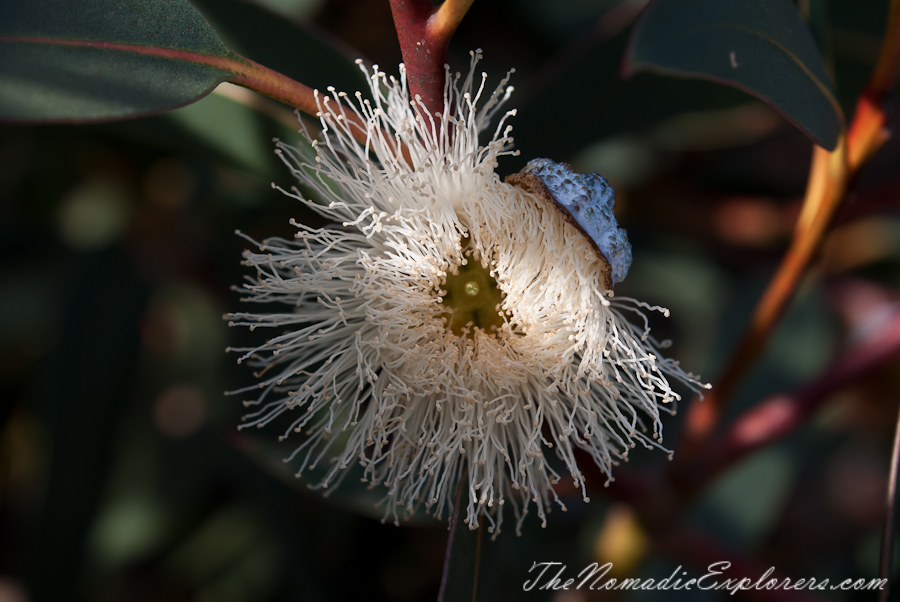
(830, 177)
(825, 192)
(887, 538)
(424, 33)
(867, 133)
(477, 563)
(453, 520)
(780, 415)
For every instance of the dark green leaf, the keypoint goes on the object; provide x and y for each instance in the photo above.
(101, 59)
(291, 48)
(763, 48)
(561, 111)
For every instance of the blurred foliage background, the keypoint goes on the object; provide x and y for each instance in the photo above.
(122, 476)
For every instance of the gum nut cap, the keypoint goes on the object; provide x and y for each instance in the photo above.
(587, 201)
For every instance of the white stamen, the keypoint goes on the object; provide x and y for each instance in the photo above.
(361, 358)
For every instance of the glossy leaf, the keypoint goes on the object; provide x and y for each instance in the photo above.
(604, 105)
(101, 59)
(763, 48)
(294, 49)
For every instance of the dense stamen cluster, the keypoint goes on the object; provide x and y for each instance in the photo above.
(473, 299)
(449, 325)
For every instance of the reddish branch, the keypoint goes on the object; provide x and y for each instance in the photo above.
(781, 414)
(424, 33)
(830, 178)
(867, 132)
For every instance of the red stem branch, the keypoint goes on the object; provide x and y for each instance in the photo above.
(424, 34)
(779, 415)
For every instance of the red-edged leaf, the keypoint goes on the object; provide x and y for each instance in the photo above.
(762, 47)
(101, 59)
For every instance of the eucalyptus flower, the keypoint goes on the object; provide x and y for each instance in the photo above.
(450, 326)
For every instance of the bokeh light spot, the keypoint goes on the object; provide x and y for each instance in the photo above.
(179, 411)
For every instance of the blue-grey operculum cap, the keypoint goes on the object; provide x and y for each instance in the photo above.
(587, 202)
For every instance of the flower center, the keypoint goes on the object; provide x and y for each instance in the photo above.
(473, 299)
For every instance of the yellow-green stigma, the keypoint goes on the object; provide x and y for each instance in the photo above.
(473, 299)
